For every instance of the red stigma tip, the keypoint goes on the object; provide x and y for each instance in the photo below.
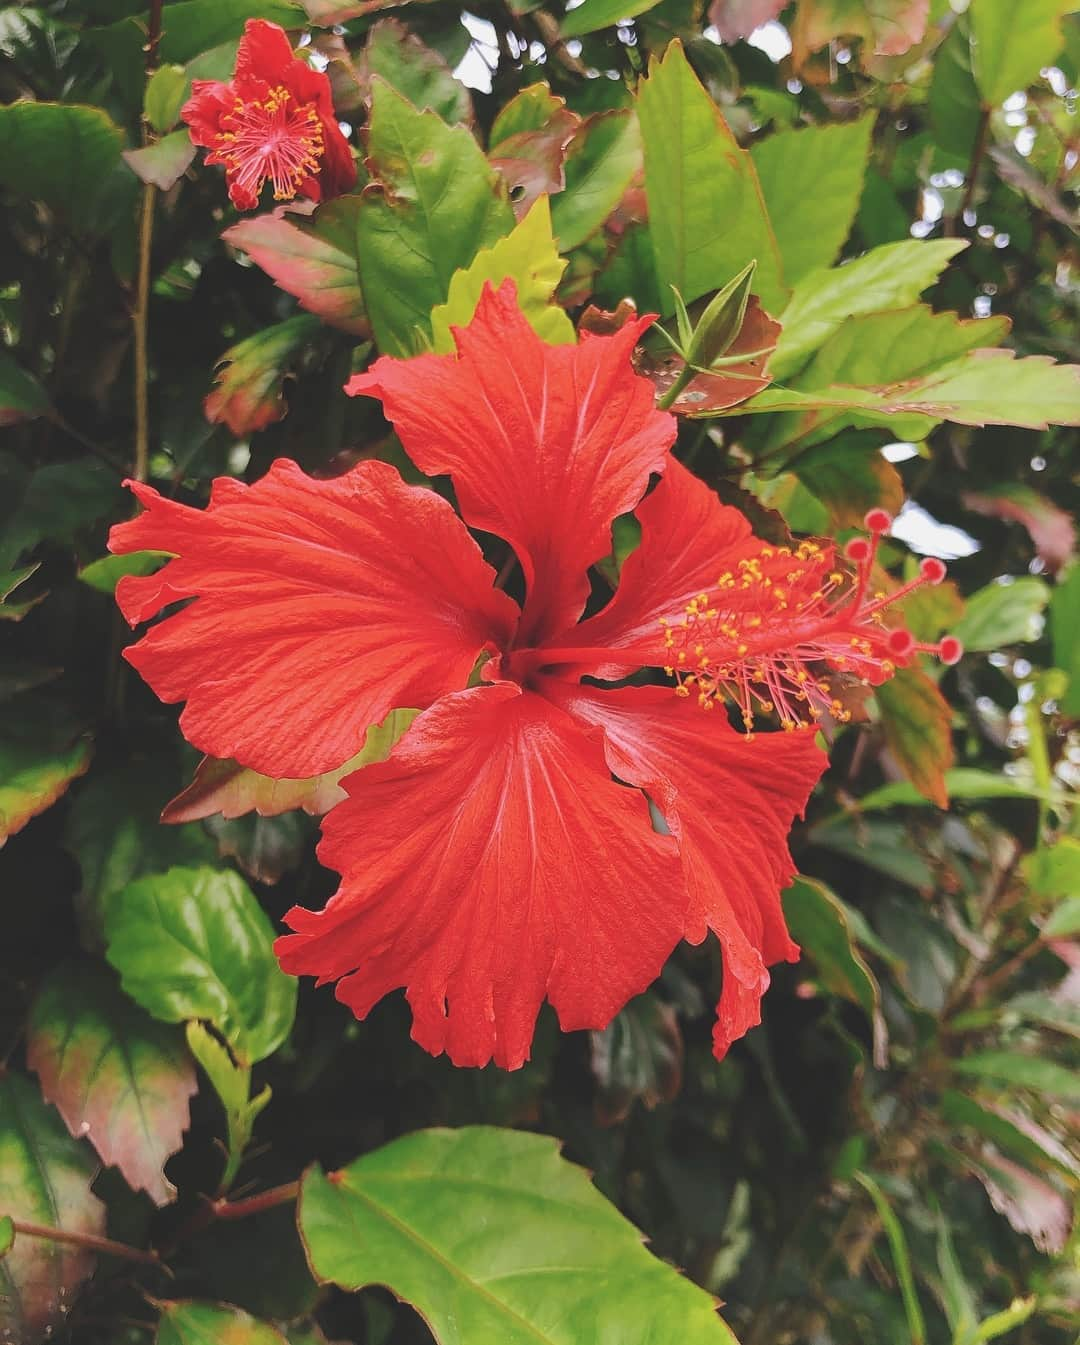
(878, 520)
(901, 642)
(858, 550)
(950, 650)
(932, 570)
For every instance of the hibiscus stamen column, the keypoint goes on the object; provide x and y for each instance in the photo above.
(761, 636)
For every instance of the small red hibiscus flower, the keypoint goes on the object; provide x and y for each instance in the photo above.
(272, 122)
(504, 853)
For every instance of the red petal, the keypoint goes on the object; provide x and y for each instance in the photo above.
(686, 533)
(264, 53)
(203, 110)
(545, 444)
(491, 861)
(319, 606)
(730, 800)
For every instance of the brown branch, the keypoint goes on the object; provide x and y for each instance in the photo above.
(91, 1242)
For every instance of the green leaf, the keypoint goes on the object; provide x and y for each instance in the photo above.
(249, 379)
(591, 15)
(1011, 43)
(818, 922)
(707, 216)
(112, 830)
(231, 789)
(954, 102)
(879, 844)
(1003, 614)
(917, 720)
(187, 1322)
(812, 181)
(1000, 1323)
(638, 1055)
(1051, 1010)
(891, 276)
(194, 943)
(41, 753)
(434, 202)
(1053, 871)
(265, 848)
(45, 1178)
(901, 1260)
(10, 582)
(868, 351)
(961, 782)
(850, 477)
(1065, 633)
(163, 162)
(117, 1077)
(54, 503)
(600, 164)
(7, 1234)
(957, 1298)
(21, 396)
(196, 26)
(104, 574)
(166, 90)
(493, 1236)
(1064, 923)
(314, 259)
(1024, 1071)
(63, 154)
(527, 256)
(418, 73)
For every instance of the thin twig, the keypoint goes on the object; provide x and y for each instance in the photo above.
(90, 1241)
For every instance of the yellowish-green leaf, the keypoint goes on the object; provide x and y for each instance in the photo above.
(1011, 42)
(527, 256)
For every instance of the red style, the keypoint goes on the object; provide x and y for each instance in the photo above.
(272, 122)
(505, 852)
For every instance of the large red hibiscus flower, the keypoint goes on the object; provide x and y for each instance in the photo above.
(505, 851)
(272, 122)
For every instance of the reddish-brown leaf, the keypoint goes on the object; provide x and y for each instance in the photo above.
(529, 142)
(1049, 526)
(117, 1077)
(917, 720)
(709, 393)
(314, 259)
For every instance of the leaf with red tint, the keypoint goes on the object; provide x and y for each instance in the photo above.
(164, 162)
(727, 387)
(230, 789)
(528, 145)
(330, 13)
(489, 863)
(45, 1179)
(117, 1077)
(737, 19)
(638, 1055)
(887, 29)
(314, 259)
(1049, 526)
(917, 720)
(250, 376)
(1030, 1203)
